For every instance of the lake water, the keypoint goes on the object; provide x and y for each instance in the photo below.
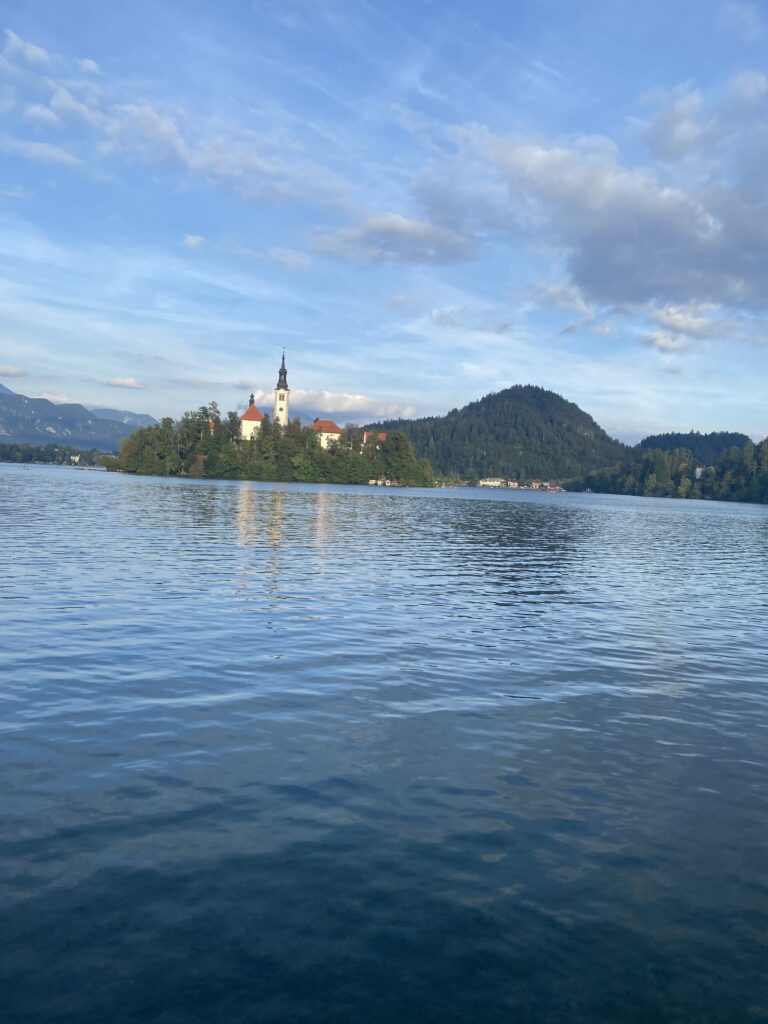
(284, 753)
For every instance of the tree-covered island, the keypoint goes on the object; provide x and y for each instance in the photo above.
(206, 444)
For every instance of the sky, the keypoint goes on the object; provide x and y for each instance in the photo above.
(421, 202)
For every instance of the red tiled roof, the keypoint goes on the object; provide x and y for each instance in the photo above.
(252, 413)
(325, 427)
(379, 437)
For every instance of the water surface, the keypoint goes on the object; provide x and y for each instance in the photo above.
(285, 753)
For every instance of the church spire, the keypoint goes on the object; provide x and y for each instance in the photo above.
(282, 378)
(282, 395)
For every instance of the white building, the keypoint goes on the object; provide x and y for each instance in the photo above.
(250, 421)
(282, 394)
(326, 431)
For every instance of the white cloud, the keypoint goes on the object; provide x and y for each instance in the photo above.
(41, 115)
(563, 295)
(742, 20)
(357, 405)
(748, 86)
(679, 128)
(42, 151)
(64, 103)
(12, 371)
(664, 341)
(684, 319)
(192, 241)
(290, 259)
(88, 65)
(57, 399)
(125, 382)
(16, 45)
(393, 238)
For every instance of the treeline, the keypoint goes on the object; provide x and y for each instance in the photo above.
(49, 454)
(522, 433)
(740, 474)
(205, 444)
(707, 448)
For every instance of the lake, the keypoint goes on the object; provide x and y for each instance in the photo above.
(288, 753)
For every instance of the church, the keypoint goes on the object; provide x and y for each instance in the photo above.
(250, 422)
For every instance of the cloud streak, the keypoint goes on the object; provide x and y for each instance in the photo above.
(130, 383)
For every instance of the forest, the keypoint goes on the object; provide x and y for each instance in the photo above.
(739, 474)
(521, 433)
(706, 448)
(48, 454)
(204, 443)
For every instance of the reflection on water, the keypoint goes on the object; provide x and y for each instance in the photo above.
(329, 754)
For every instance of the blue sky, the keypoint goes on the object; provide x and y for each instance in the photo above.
(421, 201)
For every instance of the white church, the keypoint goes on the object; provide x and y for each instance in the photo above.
(250, 422)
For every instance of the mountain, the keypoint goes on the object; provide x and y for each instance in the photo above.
(706, 448)
(132, 419)
(523, 431)
(5, 391)
(38, 421)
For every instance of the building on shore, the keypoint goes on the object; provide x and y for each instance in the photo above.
(252, 418)
(327, 431)
(250, 421)
(496, 481)
(379, 439)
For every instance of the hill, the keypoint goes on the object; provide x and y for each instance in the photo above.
(40, 422)
(706, 448)
(522, 432)
(739, 474)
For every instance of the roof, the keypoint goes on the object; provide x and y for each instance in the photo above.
(325, 427)
(379, 437)
(252, 413)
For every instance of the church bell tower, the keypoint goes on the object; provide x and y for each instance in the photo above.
(282, 392)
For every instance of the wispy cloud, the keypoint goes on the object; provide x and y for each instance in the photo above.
(42, 151)
(125, 382)
(742, 19)
(393, 238)
(358, 406)
(290, 259)
(665, 341)
(56, 397)
(12, 371)
(16, 46)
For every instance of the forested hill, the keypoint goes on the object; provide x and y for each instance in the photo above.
(706, 448)
(523, 432)
(740, 474)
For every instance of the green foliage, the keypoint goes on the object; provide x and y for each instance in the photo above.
(50, 454)
(194, 447)
(706, 448)
(522, 432)
(740, 474)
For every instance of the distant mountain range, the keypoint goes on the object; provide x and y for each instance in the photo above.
(37, 421)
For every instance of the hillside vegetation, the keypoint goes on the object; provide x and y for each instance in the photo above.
(523, 432)
(707, 448)
(740, 474)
